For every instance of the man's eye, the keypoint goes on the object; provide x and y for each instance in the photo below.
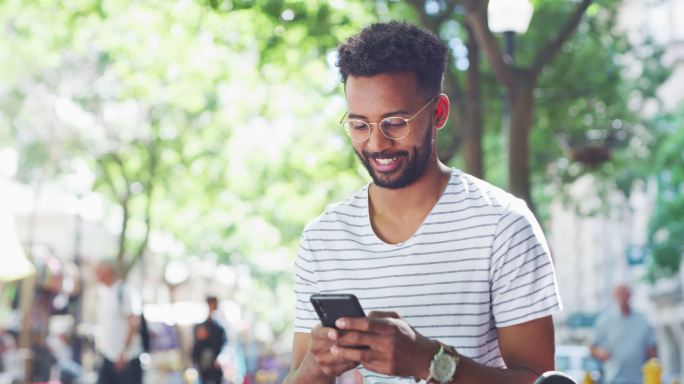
(357, 124)
(393, 123)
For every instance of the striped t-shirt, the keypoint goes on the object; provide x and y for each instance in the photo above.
(478, 261)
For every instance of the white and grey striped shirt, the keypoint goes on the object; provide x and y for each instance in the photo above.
(479, 261)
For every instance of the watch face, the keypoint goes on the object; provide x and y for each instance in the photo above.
(444, 368)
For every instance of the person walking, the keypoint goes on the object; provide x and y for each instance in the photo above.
(209, 339)
(623, 340)
(118, 321)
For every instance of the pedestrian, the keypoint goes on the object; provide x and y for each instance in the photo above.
(455, 274)
(623, 341)
(209, 339)
(118, 327)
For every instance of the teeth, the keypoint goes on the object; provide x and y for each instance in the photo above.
(387, 161)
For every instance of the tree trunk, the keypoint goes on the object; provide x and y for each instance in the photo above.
(522, 103)
(472, 149)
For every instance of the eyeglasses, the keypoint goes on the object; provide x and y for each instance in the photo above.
(393, 127)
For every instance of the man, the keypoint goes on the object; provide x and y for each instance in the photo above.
(210, 337)
(624, 340)
(456, 272)
(118, 320)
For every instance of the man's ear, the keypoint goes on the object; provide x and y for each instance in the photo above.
(442, 111)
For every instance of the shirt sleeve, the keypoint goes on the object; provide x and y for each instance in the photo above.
(522, 277)
(304, 285)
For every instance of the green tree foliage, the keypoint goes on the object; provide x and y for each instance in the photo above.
(666, 228)
(210, 126)
(586, 106)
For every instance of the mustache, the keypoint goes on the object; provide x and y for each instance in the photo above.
(384, 154)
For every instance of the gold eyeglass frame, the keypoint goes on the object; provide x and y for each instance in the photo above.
(345, 123)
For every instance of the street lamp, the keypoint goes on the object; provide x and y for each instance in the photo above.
(80, 182)
(509, 17)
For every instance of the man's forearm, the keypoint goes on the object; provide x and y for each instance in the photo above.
(471, 372)
(308, 372)
(132, 329)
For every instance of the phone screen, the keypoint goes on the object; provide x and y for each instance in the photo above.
(331, 307)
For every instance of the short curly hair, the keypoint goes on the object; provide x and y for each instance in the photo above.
(393, 47)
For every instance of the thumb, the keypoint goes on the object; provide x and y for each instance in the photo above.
(383, 314)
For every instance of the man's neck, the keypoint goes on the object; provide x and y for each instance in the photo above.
(625, 310)
(421, 194)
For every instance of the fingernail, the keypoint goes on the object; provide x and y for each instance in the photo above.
(340, 323)
(334, 350)
(332, 335)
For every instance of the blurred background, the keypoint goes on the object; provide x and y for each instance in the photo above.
(191, 141)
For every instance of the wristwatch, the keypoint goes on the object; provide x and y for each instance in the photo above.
(443, 365)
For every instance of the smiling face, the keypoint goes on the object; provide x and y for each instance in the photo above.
(392, 164)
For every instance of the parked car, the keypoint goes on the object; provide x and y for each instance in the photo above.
(576, 360)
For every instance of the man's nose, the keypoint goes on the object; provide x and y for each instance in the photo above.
(377, 141)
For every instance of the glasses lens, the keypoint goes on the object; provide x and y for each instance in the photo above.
(394, 127)
(358, 129)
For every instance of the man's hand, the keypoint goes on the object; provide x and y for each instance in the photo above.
(396, 349)
(322, 340)
(600, 354)
(120, 363)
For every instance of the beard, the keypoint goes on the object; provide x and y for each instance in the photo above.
(412, 169)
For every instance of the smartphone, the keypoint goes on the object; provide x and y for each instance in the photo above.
(331, 307)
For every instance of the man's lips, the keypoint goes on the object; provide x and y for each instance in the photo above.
(386, 163)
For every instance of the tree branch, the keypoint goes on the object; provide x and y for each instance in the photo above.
(476, 16)
(551, 48)
(433, 23)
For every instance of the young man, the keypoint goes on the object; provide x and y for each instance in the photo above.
(209, 339)
(455, 273)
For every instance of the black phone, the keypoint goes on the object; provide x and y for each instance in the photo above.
(331, 307)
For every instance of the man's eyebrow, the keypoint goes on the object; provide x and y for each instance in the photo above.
(388, 114)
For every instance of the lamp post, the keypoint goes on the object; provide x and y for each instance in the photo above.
(79, 182)
(509, 17)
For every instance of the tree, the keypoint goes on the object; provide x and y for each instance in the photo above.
(211, 130)
(520, 83)
(666, 229)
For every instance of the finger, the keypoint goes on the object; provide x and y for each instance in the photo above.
(338, 369)
(354, 338)
(351, 354)
(327, 359)
(365, 324)
(381, 314)
(321, 332)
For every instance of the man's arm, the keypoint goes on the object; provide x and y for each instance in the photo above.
(304, 368)
(527, 349)
(133, 323)
(312, 360)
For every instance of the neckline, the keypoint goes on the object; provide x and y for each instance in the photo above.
(422, 224)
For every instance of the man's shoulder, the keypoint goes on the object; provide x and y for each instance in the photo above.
(352, 211)
(487, 195)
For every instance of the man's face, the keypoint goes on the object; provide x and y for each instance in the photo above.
(391, 163)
